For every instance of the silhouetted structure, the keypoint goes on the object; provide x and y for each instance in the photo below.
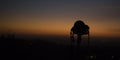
(7, 36)
(1, 36)
(79, 28)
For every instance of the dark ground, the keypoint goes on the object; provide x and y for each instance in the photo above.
(20, 49)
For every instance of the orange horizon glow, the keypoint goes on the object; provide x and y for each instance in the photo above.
(56, 28)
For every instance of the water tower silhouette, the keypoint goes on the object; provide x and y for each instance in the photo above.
(79, 28)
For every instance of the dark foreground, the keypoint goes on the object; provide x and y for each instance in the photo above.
(40, 50)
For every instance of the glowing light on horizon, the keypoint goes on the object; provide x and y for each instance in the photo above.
(56, 28)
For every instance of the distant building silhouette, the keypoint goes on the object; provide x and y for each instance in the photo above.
(7, 36)
(2, 36)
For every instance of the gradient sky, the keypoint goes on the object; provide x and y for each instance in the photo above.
(53, 17)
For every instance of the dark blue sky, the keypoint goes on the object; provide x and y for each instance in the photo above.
(84, 7)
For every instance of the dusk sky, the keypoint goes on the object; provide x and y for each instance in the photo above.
(56, 17)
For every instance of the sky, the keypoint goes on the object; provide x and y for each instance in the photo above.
(56, 17)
